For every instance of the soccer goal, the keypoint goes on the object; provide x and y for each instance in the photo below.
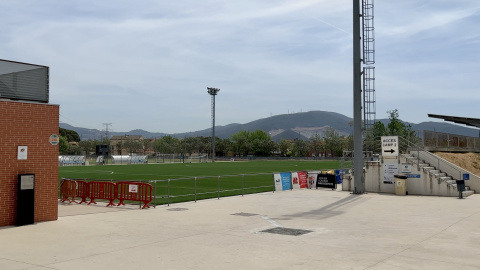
(197, 159)
(168, 158)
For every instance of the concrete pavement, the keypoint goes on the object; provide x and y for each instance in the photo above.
(369, 231)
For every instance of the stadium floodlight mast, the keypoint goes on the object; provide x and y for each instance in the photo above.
(213, 92)
(358, 179)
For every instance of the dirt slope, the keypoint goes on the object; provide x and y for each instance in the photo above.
(468, 161)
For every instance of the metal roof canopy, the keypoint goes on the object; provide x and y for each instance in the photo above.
(473, 122)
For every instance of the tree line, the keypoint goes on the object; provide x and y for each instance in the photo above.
(242, 143)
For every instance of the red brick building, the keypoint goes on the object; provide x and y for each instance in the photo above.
(31, 125)
(28, 141)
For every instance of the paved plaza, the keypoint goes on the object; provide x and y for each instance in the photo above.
(309, 229)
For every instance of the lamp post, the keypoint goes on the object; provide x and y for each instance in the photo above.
(213, 92)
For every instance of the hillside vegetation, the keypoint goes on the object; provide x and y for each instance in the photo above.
(468, 161)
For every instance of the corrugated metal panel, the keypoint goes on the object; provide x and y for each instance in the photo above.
(21, 81)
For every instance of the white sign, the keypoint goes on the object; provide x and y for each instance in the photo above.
(389, 170)
(22, 152)
(27, 182)
(133, 188)
(389, 146)
(406, 168)
(277, 179)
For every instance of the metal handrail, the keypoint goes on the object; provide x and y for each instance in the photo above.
(412, 147)
(218, 191)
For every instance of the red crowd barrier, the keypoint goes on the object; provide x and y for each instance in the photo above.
(101, 190)
(123, 191)
(67, 190)
(134, 191)
(82, 191)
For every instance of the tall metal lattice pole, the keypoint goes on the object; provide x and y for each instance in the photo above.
(213, 92)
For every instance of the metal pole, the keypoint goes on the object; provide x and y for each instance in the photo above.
(195, 189)
(213, 92)
(155, 194)
(168, 192)
(359, 181)
(243, 183)
(218, 190)
(213, 128)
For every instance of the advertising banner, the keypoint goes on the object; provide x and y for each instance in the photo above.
(302, 179)
(282, 181)
(311, 179)
(299, 180)
(327, 181)
(277, 179)
(286, 180)
(295, 181)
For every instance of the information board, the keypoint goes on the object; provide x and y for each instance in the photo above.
(389, 170)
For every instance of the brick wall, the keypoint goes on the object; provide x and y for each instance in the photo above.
(28, 124)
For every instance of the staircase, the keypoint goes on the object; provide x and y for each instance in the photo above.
(439, 169)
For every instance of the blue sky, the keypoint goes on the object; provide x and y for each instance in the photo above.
(147, 64)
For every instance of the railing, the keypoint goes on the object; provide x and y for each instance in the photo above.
(440, 164)
(176, 190)
(440, 141)
(198, 188)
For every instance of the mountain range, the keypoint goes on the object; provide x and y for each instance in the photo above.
(302, 125)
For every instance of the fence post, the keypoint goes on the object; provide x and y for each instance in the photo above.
(195, 189)
(155, 194)
(168, 193)
(418, 157)
(218, 190)
(438, 161)
(243, 183)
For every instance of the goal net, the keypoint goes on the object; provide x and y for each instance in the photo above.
(197, 159)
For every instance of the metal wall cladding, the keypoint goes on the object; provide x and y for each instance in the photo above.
(21, 81)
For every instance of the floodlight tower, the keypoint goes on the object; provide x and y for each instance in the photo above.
(357, 103)
(362, 20)
(213, 92)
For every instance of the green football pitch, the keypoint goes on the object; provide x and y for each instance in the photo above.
(195, 181)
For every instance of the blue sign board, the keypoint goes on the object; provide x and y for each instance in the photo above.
(466, 176)
(413, 175)
(286, 180)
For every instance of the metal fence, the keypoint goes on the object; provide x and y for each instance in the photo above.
(206, 187)
(439, 141)
(168, 191)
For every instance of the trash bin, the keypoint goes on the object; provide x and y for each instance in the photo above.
(460, 188)
(400, 185)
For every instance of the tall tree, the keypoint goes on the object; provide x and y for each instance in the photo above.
(285, 147)
(70, 135)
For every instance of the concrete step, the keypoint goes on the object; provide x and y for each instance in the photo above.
(427, 169)
(434, 172)
(450, 182)
(441, 175)
(467, 193)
